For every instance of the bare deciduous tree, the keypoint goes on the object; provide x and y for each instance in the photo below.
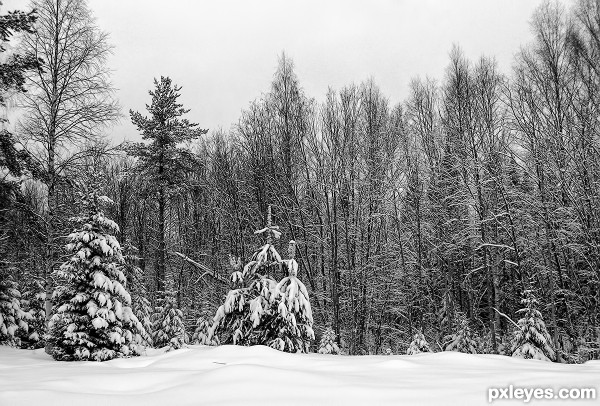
(69, 99)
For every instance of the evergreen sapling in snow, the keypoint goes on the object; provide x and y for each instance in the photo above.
(33, 302)
(262, 312)
(202, 334)
(241, 319)
(462, 340)
(12, 317)
(418, 345)
(328, 344)
(168, 328)
(531, 339)
(445, 314)
(143, 311)
(93, 319)
(294, 324)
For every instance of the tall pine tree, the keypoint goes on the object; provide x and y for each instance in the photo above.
(162, 160)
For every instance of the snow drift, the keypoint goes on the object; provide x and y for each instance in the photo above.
(235, 375)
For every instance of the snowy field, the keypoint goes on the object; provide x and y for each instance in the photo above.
(232, 375)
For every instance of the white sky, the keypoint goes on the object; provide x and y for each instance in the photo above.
(224, 52)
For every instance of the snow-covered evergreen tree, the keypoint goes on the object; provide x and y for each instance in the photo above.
(202, 334)
(446, 313)
(12, 316)
(262, 312)
(328, 344)
(505, 345)
(93, 319)
(241, 319)
(168, 328)
(33, 302)
(462, 340)
(143, 312)
(531, 339)
(294, 324)
(418, 345)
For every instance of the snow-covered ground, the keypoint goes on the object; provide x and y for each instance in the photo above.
(231, 375)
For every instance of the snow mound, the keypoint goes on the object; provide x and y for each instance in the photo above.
(234, 375)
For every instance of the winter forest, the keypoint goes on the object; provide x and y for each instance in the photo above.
(465, 218)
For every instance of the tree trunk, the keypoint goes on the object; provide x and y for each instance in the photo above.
(162, 248)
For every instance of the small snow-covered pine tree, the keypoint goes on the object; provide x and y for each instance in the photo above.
(462, 340)
(12, 316)
(33, 302)
(260, 311)
(418, 345)
(446, 313)
(143, 311)
(294, 324)
(505, 345)
(93, 319)
(202, 333)
(240, 320)
(328, 344)
(168, 328)
(531, 339)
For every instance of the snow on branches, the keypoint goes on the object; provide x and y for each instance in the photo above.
(202, 333)
(461, 340)
(93, 319)
(168, 328)
(418, 345)
(328, 344)
(531, 339)
(12, 317)
(260, 311)
(293, 307)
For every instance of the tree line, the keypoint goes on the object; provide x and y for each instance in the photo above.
(428, 217)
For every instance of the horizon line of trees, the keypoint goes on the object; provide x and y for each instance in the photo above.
(428, 219)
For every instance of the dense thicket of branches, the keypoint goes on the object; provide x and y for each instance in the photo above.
(432, 216)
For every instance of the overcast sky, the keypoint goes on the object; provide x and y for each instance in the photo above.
(224, 52)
